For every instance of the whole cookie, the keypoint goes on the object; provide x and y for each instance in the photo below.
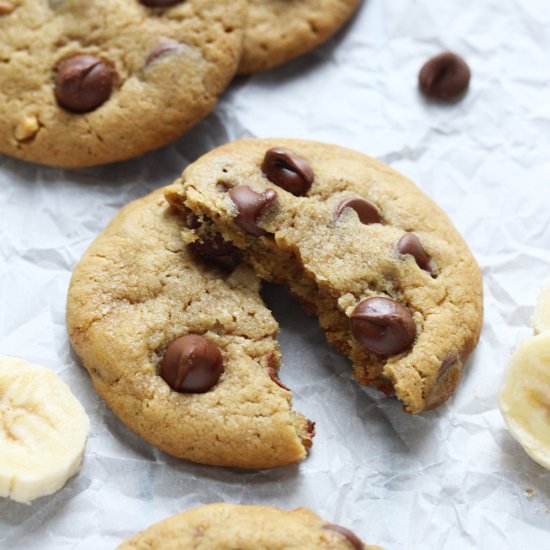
(280, 30)
(393, 284)
(185, 355)
(223, 526)
(89, 82)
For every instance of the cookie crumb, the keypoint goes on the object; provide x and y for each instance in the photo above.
(529, 493)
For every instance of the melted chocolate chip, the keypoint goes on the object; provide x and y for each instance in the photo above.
(410, 244)
(83, 83)
(352, 538)
(445, 77)
(446, 364)
(250, 207)
(274, 376)
(192, 364)
(170, 46)
(213, 247)
(383, 326)
(193, 221)
(160, 3)
(366, 211)
(288, 171)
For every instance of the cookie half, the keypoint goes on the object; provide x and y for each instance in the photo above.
(222, 526)
(87, 83)
(280, 30)
(393, 284)
(153, 326)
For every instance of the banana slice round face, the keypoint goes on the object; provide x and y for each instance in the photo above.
(541, 318)
(525, 397)
(43, 431)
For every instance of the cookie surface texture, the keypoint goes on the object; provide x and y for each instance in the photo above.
(280, 30)
(135, 292)
(227, 526)
(393, 284)
(86, 83)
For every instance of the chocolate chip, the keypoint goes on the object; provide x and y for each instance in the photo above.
(274, 376)
(410, 244)
(352, 538)
(383, 326)
(213, 246)
(250, 206)
(366, 211)
(192, 364)
(83, 83)
(160, 3)
(193, 221)
(170, 46)
(310, 428)
(6, 7)
(288, 171)
(445, 77)
(446, 364)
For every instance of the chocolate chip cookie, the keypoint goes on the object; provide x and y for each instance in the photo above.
(86, 83)
(184, 354)
(280, 30)
(222, 526)
(392, 282)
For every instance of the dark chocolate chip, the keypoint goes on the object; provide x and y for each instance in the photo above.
(192, 364)
(170, 46)
(274, 376)
(383, 326)
(352, 538)
(445, 77)
(446, 364)
(410, 244)
(310, 428)
(288, 171)
(213, 247)
(250, 206)
(193, 221)
(83, 83)
(366, 211)
(160, 3)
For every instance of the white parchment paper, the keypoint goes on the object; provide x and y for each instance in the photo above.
(449, 479)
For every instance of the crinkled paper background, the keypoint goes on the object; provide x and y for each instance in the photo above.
(449, 479)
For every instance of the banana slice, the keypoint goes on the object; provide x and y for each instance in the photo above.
(541, 318)
(525, 397)
(43, 431)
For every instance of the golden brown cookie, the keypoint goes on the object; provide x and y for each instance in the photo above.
(230, 526)
(280, 30)
(184, 354)
(86, 83)
(393, 284)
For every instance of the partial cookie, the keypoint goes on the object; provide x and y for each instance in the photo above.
(43, 431)
(86, 83)
(224, 526)
(393, 284)
(541, 317)
(280, 30)
(184, 354)
(524, 398)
